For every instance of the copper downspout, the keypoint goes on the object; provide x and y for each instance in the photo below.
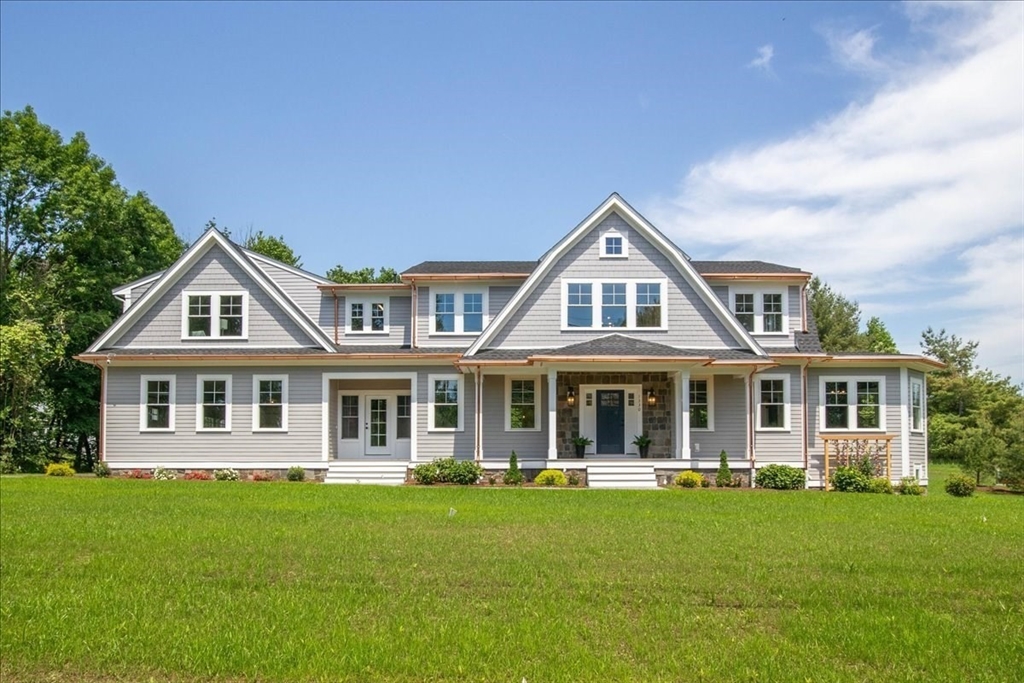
(335, 295)
(415, 314)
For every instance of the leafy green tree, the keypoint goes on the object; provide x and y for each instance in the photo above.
(877, 338)
(70, 234)
(363, 275)
(837, 318)
(274, 247)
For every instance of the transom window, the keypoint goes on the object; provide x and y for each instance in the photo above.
(215, 315)
(916, 405)
(213, 409)
(445, 409)
(700, 404)
(773, 402)
(367, 316)
(760, 311)
(614, 245)
(631, 304)
(521, 401)
(157, 404)
(271, 403)
(458, 312)
(852, 403)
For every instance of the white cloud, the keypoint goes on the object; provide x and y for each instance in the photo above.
(763, 61)
(854, 49)
(912, 200)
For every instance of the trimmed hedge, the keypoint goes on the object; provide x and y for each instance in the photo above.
(782, 477)
(551, 478)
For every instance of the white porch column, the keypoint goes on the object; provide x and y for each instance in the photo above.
(414, 409)
(552, 414)
(683, 414)
(905, 423)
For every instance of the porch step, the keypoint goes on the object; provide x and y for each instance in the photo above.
(366, 472)
(621, 477)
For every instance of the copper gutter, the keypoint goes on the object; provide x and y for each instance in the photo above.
(374, 286)
(756, 276)
(91, 358)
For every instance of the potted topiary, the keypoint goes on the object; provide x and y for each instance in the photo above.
(643, 444)
(580, 443)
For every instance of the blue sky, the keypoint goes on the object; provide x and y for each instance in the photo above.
(880, 145)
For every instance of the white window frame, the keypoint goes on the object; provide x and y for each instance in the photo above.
(367, 302)
(200, 380)
(537, 417)
(461, 403)
(914, 381)
(604, 244)
(256, 379)
(787, 401)
(596, 297)
(851, 416)
(143, 402)
(710, 379)
(759, 293)
(460, 304)
(214, 315)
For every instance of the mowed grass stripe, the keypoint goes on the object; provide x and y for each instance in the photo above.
(194, 581)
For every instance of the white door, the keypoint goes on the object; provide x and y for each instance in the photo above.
(376, 429)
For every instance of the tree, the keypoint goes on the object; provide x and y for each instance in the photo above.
(71, 233)
(363, 275)
(837, 318)
(877, 338)
(274, 247)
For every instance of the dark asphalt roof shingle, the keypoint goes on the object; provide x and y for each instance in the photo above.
(751, 267)
(616, 345)
(471, 267)
(283, 351)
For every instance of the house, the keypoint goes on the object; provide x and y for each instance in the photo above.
(231, 359)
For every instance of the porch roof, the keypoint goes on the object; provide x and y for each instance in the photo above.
(613, 347)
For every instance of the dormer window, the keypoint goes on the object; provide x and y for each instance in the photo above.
(760, 310)
(614, 245)
(366, 316)
(215, 315)
(462, 311)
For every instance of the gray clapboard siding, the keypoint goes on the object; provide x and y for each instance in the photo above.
(730, 432)
(160, 326)
(399, 319)
(433, 445)
(918, 440)
(782, 447)
(537, 322)
(301, 290)
(499, 444)
(126, 443)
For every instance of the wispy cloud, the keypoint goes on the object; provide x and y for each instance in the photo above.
(854, 50)
(763, 61)
(910, 198)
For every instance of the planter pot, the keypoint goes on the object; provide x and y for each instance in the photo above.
(580, 450)
(644, 450)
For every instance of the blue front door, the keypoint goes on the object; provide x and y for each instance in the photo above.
(611, 422)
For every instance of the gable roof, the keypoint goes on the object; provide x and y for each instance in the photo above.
(618, 205)
(208, 240)
(261, 258)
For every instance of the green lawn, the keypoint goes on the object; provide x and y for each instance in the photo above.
(117, 580)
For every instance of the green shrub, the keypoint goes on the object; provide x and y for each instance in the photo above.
(573, 478)
(101, 469)
(164, 474)
(781, 477)
(60, 469)
(960, 485)
(849, 480)
(425, 473)
(462, 472)
(689, 479)
(513, 475)
(865, 466)
(724, 476)
(879, 485)
(550, 478)
(296, 473)
(909, 486)
(228, 474)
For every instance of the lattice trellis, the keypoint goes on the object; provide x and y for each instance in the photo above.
(849, 450)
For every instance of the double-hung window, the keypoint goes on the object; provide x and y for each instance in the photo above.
(445, 404)
(580, 311)
(916, 405)
(215, 315)
(613, 304)
(403, 417)
(213, 403)
(521, 394)
(157, 404)
(630, 304)
(366, 316)
(701, 404)
(270, 407)
(458, 312)
(760, 311)
(852, 403)
(773, 402)
(648, 304)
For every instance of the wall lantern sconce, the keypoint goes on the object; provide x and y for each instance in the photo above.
(651, 398)
(570, 397)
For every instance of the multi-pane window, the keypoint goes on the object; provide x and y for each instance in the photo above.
(837, 409)
(472, 312)
(772, 400)
(772, 312)
(444, 312)
(853, 404)
(580, 306)
(648, 304)
(613, 304)
(159, 403)
(350, 417)
(445, 404)
(916, 405)
(868, 408)
(356, 320)
(613, 246)
(377, 317)
(367, 316)
(403, 417)
(214, 315)
(214, 403)
(271, 400)
(522, 404)
(699, 407)
(745, 310)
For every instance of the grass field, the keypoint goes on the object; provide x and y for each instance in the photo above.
(117, 580)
